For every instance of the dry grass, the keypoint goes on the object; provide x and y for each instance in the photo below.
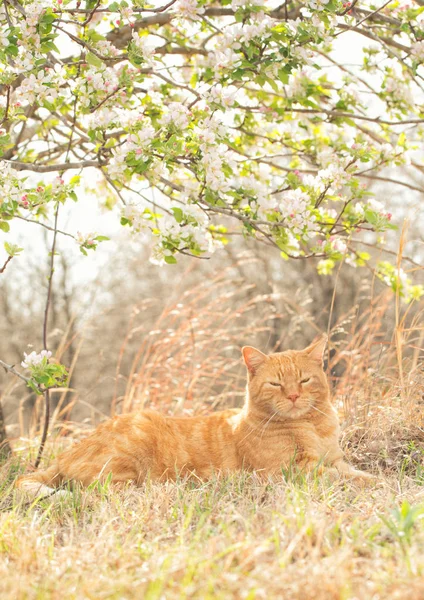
(236, 537)
(230, 538)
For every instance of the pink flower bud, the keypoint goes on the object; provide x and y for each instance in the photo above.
(389, 216)
(24, 197)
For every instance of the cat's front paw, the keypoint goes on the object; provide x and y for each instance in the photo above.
(362, 478)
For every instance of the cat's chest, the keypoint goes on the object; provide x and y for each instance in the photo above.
(291, 443)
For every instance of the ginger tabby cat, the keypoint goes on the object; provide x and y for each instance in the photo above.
(287, 418)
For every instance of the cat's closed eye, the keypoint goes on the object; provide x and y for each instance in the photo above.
(305, 380)
(274, 383)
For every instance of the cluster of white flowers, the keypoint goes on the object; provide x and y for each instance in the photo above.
(317, 4)
(137, 142)
(224, 96)
(224, 59)
(298, 82)
(35, 10)
(212, 160)
(102, 118)
(305, 55)
(335, 174)
(327, 213)
(126, 11)
(399, 89)
(33, 359)
(43, 86)
(214, 154)
(398, 273)
(96, 82)
(140, 139)
(294, 206)
(259, 27)
(378, 207)
(194, 232)
(11, 187)
(258, 187)
(417, 51)
(190, 190)
(350, 93)
(322, 28)
(3, 40)
(338, 245)
(144, 47)
(136, 216)
(177, 114)
(86, 239)
(189, 9)
(358, 210)
(106, 48)
(236, 4)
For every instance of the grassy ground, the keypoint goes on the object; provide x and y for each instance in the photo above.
(235, 538)
(231, 538)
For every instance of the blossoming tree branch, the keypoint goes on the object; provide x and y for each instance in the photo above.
(205, 119)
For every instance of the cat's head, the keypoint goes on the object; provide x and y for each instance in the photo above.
(287, 383)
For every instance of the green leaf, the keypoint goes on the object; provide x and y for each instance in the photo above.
(178, 214)
(283, 76)
(4, 226)
(371, 217)
(93, 60)
(12, 249)
(102, 238)
(171, 260)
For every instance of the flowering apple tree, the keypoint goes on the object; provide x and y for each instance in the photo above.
(202, 120)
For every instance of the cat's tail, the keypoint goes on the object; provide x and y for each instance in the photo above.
(41, 482)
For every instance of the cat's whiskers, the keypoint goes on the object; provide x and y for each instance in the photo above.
(253, 429)
(320, 411)
(268, 422)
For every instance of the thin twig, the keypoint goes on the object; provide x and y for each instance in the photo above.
(12, 370)
(9, 258)
(46, 317)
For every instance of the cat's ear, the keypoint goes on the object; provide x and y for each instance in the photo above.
(252, 358)
(316, 349)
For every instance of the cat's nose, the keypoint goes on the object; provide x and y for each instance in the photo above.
(293, 397)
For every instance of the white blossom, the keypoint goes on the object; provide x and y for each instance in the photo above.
(177, 115)
(33, 359)
(294, 207)
(417, 50)
(189, 9)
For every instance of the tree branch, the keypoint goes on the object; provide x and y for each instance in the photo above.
(9, 258)
(21, 166)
